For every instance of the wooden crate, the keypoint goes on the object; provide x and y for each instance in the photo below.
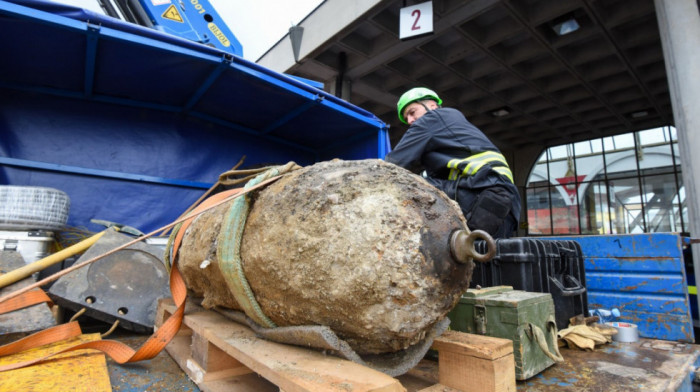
(221, 355)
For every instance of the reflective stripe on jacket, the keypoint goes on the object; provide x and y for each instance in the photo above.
(470, 165)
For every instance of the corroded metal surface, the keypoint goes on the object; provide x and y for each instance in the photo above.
(643, 275)
(359, 246)
(648, 365)
(123, 286)
(17, 324)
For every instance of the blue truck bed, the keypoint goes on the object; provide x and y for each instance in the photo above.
(643, 275)
(135, 124)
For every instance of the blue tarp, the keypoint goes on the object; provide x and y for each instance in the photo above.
(134, 124)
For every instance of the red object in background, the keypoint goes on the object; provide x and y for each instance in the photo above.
(570, 185)
(564, 220)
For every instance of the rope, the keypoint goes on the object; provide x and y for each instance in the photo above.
(542, 341)
(229, 245)
(235, 177)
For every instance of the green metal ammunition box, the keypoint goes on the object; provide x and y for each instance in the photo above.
(524, 317)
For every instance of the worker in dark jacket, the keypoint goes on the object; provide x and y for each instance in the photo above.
(457, 158)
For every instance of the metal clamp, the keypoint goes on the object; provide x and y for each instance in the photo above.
(480, 319)
(119, 227)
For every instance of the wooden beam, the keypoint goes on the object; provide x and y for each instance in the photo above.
(475, 363)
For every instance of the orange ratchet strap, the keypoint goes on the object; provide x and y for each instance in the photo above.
(118, 351)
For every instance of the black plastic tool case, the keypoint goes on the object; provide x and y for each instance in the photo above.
(538, 265)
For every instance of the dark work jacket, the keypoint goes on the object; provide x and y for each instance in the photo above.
(444, 134)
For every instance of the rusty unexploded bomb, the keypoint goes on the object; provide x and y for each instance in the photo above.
(364, 247)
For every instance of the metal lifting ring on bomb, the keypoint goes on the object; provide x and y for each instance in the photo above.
(462, 246)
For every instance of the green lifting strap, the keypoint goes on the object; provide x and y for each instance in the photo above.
(169, 246)
(229, 245)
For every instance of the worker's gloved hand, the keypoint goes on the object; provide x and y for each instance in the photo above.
(585, 337)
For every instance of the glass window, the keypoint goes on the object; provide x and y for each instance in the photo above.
(627, 183)
(583, 148)
(676, 153)
(593, 209)
(619, 142)
(654, 153)
(655, 158)
(538, 211)
(659, 193)
(620, 163)
(597, 146)
(653, 136)
(564, 212)
(557, 152)
(562, 170)
(625, 199)
(539, 176)
(623, 142)
(608, 143)
(589, 160)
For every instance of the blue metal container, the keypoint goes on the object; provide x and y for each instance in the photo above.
(644, 276)
(135, 124)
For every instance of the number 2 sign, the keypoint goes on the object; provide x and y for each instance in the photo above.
(416, 20)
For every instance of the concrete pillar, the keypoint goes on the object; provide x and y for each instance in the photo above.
(521, 162)
(679, 26)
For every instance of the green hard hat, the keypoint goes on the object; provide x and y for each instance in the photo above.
(413, 95)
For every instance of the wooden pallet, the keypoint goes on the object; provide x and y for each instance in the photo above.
(221, 355)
